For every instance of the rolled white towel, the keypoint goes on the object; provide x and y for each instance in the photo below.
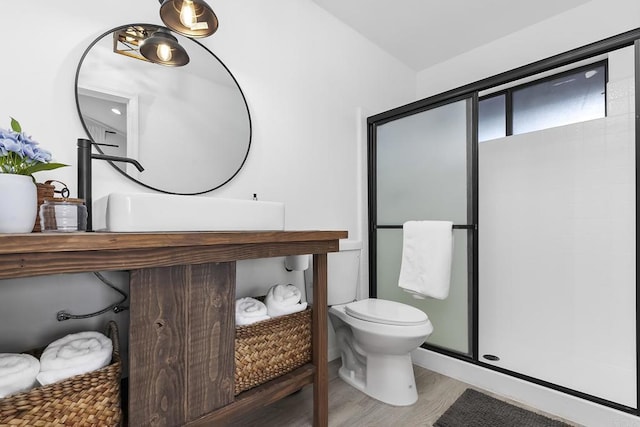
(74, 354)
(283, 299)
(250, 310)
(17, 373)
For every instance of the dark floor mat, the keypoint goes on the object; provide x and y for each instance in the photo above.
(475, 409)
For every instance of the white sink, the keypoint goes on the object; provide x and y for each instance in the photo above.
(144, 212)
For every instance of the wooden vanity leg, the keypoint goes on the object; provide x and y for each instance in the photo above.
(156, 346)
(181, 336)
(319, 343)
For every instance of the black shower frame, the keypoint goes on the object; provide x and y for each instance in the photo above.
(508, 92)
(629, 38)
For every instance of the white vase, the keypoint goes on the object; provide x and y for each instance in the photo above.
(18, 203)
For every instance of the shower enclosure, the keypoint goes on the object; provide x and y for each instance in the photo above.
(544, 283)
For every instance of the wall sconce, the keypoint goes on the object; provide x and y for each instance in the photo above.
(127, 40)
(191, 18)
(163, 48)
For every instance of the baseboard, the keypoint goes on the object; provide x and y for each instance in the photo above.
(545, 399)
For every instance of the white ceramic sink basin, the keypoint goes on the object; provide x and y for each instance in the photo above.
(130, 212)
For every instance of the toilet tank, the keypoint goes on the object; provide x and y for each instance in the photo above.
(343, 270)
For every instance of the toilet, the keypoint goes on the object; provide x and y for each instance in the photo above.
(375, 336)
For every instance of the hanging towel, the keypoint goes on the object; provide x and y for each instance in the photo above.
(284, 299)
(426, 258)
(17, 373)
(250, 310)
(74, 354)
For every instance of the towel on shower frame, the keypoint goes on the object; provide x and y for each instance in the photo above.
(427, 250)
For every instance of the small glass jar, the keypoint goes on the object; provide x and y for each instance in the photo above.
(63, 215)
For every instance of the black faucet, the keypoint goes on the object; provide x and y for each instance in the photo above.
(84, 172)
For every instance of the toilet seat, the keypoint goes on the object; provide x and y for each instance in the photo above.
(386, 312)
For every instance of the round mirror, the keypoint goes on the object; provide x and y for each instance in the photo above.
(188, 126)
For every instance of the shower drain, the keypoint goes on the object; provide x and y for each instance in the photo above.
(491, 357)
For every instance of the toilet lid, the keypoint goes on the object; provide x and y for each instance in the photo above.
(387, 312)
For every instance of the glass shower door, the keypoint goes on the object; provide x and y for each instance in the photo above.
(422, 171)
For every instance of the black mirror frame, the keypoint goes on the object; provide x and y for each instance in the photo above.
(244, 99)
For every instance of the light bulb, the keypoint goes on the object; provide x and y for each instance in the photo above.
(188, 14)
(164, 52)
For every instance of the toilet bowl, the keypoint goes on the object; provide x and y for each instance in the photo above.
(375, 337)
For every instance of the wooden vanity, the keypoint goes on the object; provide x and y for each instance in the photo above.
(181, 333)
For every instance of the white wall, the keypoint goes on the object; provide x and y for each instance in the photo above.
(576, 27)
(306, 77)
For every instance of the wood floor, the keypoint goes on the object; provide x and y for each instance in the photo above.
(350, 407)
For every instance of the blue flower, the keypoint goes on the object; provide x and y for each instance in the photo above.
(10, 142)
(20, 154)
(41, 155)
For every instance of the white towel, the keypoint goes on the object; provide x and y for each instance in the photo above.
(250, 310)
(17, 373)
(426, 258)
(74, 354)
(284, 299)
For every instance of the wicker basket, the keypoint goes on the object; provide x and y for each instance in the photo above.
(91, 399)
(45, 190)
(271, 348)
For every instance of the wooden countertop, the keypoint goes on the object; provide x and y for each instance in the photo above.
(92, 241)
(34, 254)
